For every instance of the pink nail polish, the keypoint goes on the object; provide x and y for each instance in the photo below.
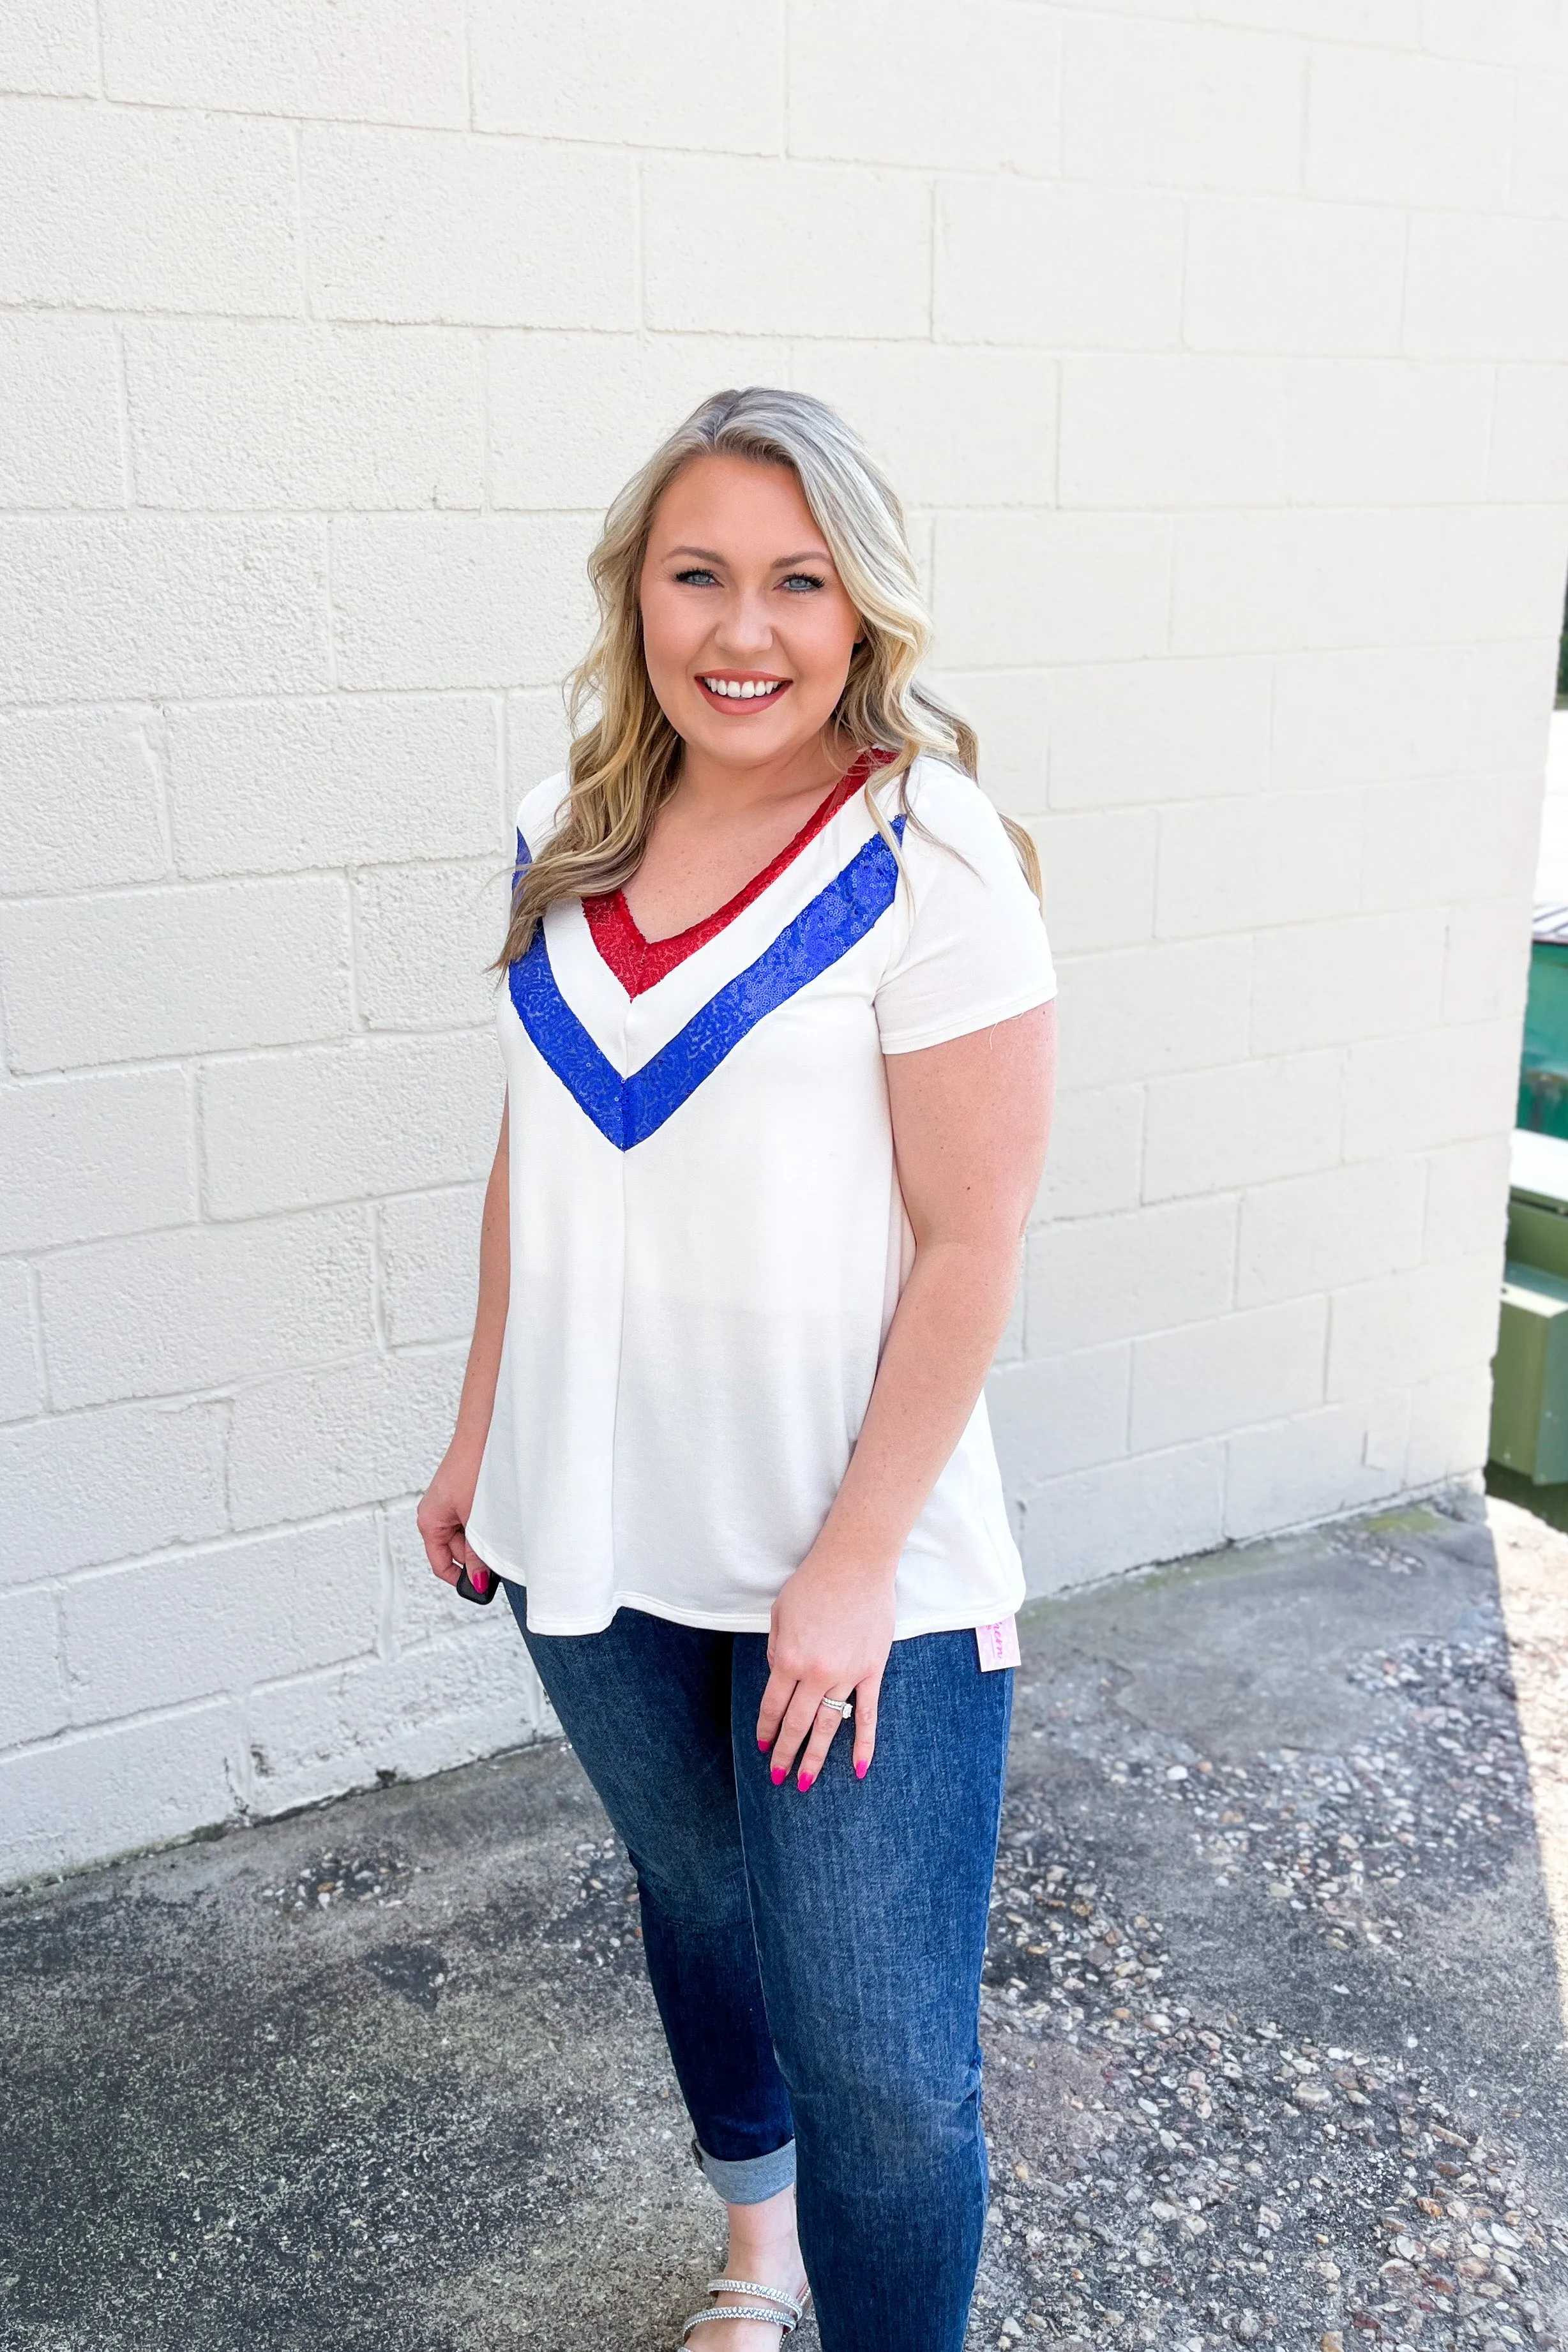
(804, 1781)
(862, 1768)
(777, 1777)
(761, 1743)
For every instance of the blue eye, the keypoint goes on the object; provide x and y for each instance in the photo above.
(697, 577)
(796, 580)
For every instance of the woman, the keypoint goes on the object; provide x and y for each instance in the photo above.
(777, 1033)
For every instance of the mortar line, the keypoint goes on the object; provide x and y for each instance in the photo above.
(387, 1630)
(330, 610)
(36, 1334)
(378, 1316)
(122, 416)
(196, 1129)
(154, 751)
(639, 254)
(301, 262)
(487, 421)
(228, 1540)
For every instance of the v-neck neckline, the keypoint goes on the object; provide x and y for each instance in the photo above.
(639, 963)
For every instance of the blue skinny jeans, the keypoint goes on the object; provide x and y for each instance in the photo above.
(816, 1959)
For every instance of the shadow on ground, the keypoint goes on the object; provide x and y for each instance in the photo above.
(1275, 2048)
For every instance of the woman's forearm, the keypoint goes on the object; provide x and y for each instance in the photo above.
(950, 1316)
(478, 1400)
(971, 1122)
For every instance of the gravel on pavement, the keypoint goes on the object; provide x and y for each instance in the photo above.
(1273, 2020)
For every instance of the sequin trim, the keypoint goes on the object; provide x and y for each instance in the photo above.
(626, 1111)
(641, 963)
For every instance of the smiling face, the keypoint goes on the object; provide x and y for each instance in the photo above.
(747, 630)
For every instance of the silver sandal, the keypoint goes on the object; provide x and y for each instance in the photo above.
(786, 2312)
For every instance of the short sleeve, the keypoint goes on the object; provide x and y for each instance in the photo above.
(975, 950)
(541, 810)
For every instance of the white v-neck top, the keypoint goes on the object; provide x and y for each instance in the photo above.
(707, 1237)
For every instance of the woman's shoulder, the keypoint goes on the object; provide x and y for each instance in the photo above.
(541, 810)
(948, 803)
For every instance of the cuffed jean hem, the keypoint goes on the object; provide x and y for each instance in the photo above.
(748, 2179)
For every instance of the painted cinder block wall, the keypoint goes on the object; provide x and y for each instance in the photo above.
(1220, 352)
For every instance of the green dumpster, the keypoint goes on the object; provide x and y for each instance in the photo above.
(1543, 1063)
(1529, 1371)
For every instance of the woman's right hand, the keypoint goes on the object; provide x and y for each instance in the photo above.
(443, 1515)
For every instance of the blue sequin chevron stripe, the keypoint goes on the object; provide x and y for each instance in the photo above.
(626, 1111)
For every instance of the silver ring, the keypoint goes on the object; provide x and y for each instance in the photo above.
(842, 1707)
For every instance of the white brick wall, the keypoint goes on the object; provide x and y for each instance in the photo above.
(1220, 349)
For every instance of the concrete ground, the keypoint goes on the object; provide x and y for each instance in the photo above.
(1274, 2041)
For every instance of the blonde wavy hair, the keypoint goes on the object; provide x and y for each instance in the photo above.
(626, 760)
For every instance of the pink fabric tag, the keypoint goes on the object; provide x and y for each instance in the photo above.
(998, 1645)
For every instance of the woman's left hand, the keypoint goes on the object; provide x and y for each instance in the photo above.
(832, 1630)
